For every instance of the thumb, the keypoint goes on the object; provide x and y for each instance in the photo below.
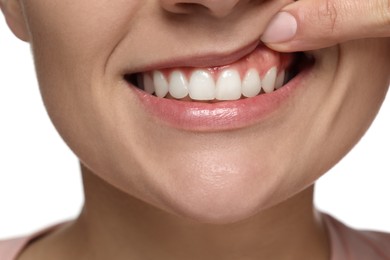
(313, 24)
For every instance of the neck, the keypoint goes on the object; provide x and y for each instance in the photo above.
(114, 225)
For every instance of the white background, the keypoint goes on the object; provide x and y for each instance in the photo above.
(40, 182)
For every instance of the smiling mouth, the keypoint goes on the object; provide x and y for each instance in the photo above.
(263, 71)
(223, 92)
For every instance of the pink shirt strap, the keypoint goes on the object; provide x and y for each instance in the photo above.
(10, 249)
(350, 244)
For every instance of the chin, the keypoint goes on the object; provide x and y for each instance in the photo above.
(219, 196)
(227, 207)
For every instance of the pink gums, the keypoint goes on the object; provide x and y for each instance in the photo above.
(262, 59)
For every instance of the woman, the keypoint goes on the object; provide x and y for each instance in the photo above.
(196, 140)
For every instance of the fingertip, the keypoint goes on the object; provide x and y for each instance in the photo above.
(282, 28)
(281, 47)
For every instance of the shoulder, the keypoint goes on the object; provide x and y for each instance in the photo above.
(348, 243)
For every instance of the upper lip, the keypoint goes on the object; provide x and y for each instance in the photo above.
(204, 60)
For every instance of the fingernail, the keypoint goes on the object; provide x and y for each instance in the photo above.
(281, 28)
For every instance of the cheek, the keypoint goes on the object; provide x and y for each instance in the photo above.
(349, 104)
(71, 44)
(83, 30)
(362, 84)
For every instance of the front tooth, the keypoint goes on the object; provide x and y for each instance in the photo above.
(251, 85)
(160, 84)
(178, 85)
(228, 85)
(148, 84)
(269, 80)
(201, 86)
(280, 80)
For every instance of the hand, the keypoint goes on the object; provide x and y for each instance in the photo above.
(313, 24)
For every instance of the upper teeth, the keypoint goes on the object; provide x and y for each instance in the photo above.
(202, 86)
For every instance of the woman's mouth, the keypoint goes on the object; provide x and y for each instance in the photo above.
(222, 97)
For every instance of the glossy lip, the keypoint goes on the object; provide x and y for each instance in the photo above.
(220, 116)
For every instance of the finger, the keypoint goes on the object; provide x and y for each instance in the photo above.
(313, 24)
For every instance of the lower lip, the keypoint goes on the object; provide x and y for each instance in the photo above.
(220, 116)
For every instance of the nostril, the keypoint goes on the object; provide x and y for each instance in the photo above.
(216, 8)
(191, 7)
(182, 6)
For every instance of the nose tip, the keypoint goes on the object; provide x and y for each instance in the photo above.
(216, 8)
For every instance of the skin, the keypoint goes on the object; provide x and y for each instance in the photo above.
(193, 196)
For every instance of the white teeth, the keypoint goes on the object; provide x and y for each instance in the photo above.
(160, 84)
(269, 80)
(251, 85)
(228, 86)
(148, 84)
(280, 80)
(201, 86)
(178, 85)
